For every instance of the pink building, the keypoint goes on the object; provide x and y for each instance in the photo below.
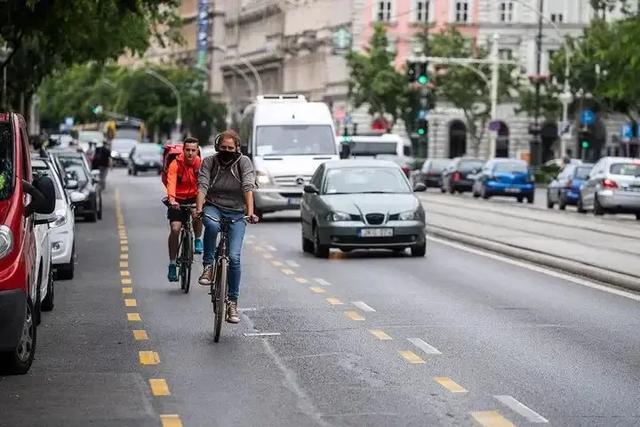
(405, 19)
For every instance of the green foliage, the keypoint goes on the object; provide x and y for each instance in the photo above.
(133, 93)
(375, 81)
(42, 36)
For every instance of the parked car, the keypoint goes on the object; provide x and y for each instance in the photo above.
(359, 204)
(565, 189)
(505, 177)
(613, 186)
(145, 157)
(62, 229)
(80, 179)
(431, 172)
(19, 285)
(121, 150)
(405, 162)
(455, 177)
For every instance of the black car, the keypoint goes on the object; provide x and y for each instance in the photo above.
(456, 176)
(144, 158)
(79, 178)
(431, 172)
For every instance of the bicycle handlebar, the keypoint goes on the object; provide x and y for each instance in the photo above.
(230, 221)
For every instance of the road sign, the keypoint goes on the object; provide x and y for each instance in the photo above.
(341, 40)
(587, 117)
(422, 114)
(202, 31)
(626, 132)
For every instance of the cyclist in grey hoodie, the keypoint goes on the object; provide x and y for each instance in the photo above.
(225, 190)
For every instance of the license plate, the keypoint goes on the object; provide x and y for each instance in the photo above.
(293, 201)
(512, 190)
(376, 232)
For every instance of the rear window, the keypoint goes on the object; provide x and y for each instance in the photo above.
(6, 161)
(582, 172)
(629, 169)
(469, 165)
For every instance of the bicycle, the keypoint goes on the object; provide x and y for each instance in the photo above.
(185, 247)
(219, 285)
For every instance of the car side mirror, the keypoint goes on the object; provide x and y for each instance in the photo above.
(310, 189)
(77, 197)
(345, 151)
(43, 196)
(71, 184)
(419, 187)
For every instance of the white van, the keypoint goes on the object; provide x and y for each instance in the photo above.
(287, 138)
(387, 144)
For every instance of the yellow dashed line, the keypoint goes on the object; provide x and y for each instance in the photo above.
(170, 420)
(148, 357)
(379, 333)
(124, 257)
(276, 263)
(353, 315)
(124, 273)
(334, 301)
(140, 335)
(301, 280)
(125, 281)
(127, 291)
(317, 290)
(130, 302)
(450, 385)
(258, 248)
(124, 264)
(124, 248)
(124, 242)
(411, 357)
(133, 317)
(491, 419)
(159, 387)
(287, 271)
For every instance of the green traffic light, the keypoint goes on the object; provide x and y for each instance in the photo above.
(423, 80)
(585, 144)
(421, 132)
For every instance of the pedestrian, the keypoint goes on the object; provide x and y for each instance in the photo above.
(102, 161)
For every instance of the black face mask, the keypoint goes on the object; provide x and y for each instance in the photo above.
(227, 156)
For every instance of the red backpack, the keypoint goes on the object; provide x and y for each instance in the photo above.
(171, 151)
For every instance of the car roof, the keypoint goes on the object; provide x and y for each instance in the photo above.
(347, 163)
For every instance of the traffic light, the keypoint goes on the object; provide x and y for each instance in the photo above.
(97, 109)
(584, 143)
(423, 75)
(412, 71)
(422, 127)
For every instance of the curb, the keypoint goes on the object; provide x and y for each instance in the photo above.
(567, 265)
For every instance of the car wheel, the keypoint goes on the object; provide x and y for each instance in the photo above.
(442, 189)
(66, 271)
(92, 217)
(307, 245)
(18, 361)
(475, 193)
(451, 189)
(549, 201)
(135, 171)
(562, 203)
(99, 212)
(531, 198)
(129, 171)
(520, 199)
(580, 207)
(484, 193)
(419, 250)
(638, 216)
(319, 250)
(597, 207)
(47, 303)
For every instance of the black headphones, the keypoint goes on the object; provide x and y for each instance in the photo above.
(217, 141)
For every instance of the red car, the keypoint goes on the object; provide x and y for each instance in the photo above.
(20, 199)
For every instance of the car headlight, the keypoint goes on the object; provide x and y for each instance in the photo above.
(114, 153)
(61, 219)
(338, 216)
(413, 215)
(264, 178)
(6, 241)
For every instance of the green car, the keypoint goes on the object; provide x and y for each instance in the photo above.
(361, 204)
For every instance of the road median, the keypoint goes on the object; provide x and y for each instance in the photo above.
(555, 261)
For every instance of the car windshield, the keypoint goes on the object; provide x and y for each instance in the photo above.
(75, 167)
(373, 148)
(40, 169)
(629, 169)
(469, 165)
(295, 140)
(365, 180)
(123, 145)
(582, 172)
(6, 160)
(510, 167)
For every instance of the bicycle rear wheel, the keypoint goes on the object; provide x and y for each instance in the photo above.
(218, 297)
(186, 258)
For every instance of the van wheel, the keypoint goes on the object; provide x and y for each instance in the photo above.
(18, 361)
(47, 303)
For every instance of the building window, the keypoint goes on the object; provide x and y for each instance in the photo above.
(506, 54)
(421, 8)
(462, 11)
(557, 18)
(506, 11)
(383, 11)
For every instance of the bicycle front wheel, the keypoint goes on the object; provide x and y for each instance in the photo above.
(219, 295)
(186, 260)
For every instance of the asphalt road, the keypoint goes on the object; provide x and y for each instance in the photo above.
(456, 338)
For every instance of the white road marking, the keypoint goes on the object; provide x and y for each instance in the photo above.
(520, 408)
(243, 309)
(292, 263)
(423, 346)
(261, 334)
(543, 270)
(322, 282)
(362, 306)
(271, 248)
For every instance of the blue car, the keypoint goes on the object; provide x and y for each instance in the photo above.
(565, 189)
(505, 177)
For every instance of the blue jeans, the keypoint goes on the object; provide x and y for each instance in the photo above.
(236, 235)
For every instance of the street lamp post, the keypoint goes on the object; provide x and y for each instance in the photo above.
(495, 75)
(175, 93)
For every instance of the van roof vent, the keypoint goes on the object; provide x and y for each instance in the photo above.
(281, 98)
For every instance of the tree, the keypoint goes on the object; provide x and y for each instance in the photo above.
(40, 36)
(375, 81)
(463, 87)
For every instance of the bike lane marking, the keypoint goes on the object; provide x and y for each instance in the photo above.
(427, 348)
(363, 306)
(522, 409)
(170, 420)
(159, 387)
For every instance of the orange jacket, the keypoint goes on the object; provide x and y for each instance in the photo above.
(182, 179)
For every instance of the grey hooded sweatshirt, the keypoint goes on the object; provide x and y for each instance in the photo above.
(225, 186)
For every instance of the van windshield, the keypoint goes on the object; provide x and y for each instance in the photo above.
(6, 161)
(373, 148)
(295, 140)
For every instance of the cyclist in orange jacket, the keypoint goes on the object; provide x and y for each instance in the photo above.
(182, 188)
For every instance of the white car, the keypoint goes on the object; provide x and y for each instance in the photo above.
(44, 271)
(62, 227)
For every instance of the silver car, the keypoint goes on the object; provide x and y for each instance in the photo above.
(613, 186)
(356, 204)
